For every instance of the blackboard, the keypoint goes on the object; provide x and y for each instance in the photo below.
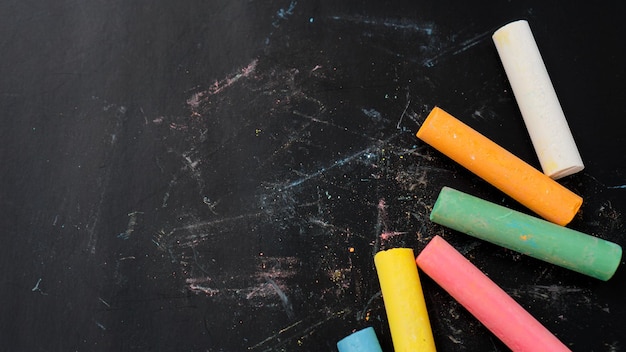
(217, 176)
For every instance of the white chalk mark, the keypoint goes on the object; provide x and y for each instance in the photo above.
(191, 165)
(283, 340)
(160, 239)
(103, 181)
(130, 228)
(94, 216)
(104, 302)
(362, 314)
(554, 291)
(198, 280)
(455, 340)
(203, 224)
(170, 186)
(281, 331)
(206, 290)
(457, 49)
(322, 223)
(425, 28)
(343, 128)
(613, 347)
(36, 288)
(283, 298)
(562, 296)
(210, 204)
(336, 164)
(617, 187)
(406, 107)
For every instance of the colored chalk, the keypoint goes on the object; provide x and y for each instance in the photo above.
(499, 167)
(493, 307)
(364, 340)
(537, 100)
(404, 301)
(526, 234)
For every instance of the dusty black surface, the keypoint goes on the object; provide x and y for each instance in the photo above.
(216, 176)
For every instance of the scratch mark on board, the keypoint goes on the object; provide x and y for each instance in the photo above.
(457, 49)
(132, 222)
(328, 123)
(394, 24)
(613, 346)
(202, 224)
(103, 181)
(363, 314)
(561, 297)
(104, 302)
(206, 290)
(37, 288)
(617, 187)
(218, 86)
(337, 163)
(406, 107)
(298, 331)
(283, 298)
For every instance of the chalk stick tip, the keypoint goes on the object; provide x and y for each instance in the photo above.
(563, 172)
(617, 261)
(364, 340)
(435, 111)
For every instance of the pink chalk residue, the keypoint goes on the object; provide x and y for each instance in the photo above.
(219, 85)
(387, 235)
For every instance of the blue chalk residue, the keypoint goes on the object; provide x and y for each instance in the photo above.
(282, 14)
(372, 113)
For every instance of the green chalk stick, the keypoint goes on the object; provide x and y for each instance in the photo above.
(526, 234)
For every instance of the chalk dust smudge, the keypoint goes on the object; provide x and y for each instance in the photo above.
(560, 297)
(132, 223)
(219, 86)
(290, 189)
(390, 23)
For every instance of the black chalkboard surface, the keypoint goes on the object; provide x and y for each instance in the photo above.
(217, 175)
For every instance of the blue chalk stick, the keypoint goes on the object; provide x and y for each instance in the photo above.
(361, 341)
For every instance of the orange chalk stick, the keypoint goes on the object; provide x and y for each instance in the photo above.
(499, 167)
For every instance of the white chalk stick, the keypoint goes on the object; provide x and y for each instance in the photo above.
(537, 100)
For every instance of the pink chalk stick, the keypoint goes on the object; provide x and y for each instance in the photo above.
(493, 307)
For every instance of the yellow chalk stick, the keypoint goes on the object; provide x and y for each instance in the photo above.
(404, 301)
(499, 167)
